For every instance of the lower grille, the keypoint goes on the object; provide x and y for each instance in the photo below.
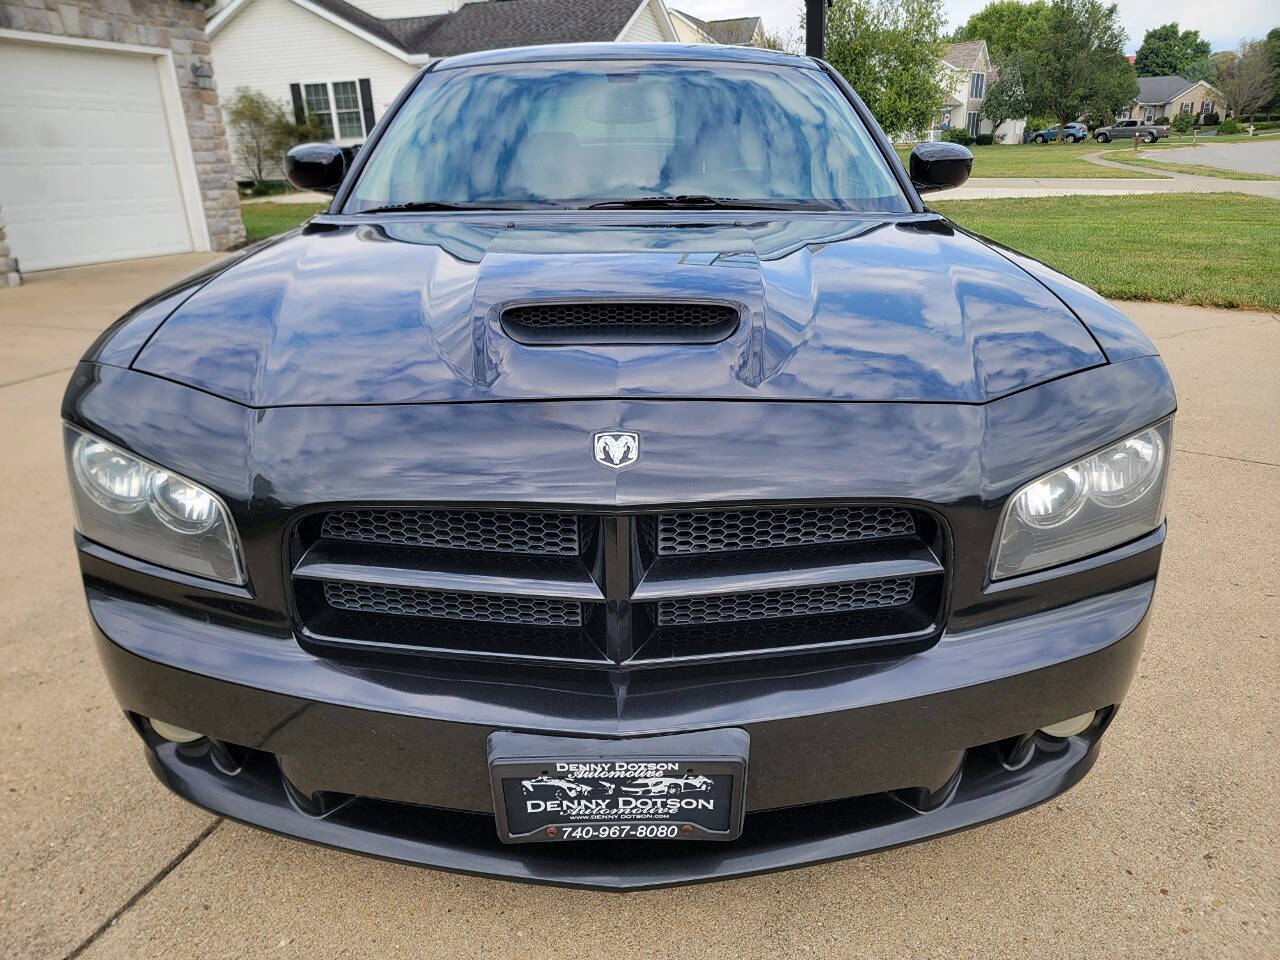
(806, 602)
(438, 604)
(613, 591)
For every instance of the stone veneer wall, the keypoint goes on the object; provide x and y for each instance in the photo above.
(178, 25)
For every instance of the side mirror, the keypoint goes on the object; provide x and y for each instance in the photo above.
(939, 166)
(315, 166)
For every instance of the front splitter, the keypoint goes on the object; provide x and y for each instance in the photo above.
(986, 790)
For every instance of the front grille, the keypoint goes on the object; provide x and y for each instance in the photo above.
(713, 532)
(610, 591)
(486, 531)
(480, 607)
(804, 602)
(620, 321)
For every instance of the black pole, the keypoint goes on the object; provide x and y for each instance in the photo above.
(815, 22)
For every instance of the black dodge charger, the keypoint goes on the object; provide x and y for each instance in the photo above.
(626, 481)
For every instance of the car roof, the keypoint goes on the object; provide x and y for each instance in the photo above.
(626, 51)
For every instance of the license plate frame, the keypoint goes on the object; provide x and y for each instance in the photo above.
(687, 786)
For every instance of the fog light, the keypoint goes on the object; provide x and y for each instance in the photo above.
(173, 733)
(1069, 728)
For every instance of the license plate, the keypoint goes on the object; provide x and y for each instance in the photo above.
(687, 786)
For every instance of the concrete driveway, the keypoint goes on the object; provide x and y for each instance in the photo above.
(1169, 848)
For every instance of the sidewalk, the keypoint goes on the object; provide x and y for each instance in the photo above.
(302, 196)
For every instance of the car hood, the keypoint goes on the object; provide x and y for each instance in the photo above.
(406, 311)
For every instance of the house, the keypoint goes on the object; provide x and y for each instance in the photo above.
(342, 64)
(738, 31)
(1170, 96)
(111, 139)
(969, 75)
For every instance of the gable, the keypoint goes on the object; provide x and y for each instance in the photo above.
(645, 27)
(336, 14)
(1201, 90)
(969, 56)
(249, 53)
(484, 25)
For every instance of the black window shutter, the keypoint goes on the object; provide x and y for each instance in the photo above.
(366, 105)
(299, 112)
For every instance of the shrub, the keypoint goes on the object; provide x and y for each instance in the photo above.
(1182, 122)
(1212, 119)
(1267, 125)
(985, 139)
(1229, 125)
(264, 132)
(958, 135)
(268, 188)
(1162, 121)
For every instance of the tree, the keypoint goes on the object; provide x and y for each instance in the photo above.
(1272, 45)
(785, 42)
(1204, 70)
(1167, 52)
(1079, 66)
(1247, 83)
(256, 123)
(1007, 26)
(264, 132)
(890, 51)
(1007, 97)
(1221, 60)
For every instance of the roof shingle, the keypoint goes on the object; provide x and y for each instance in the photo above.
(492, 24)
(736, 31)
(1157, 90)
(964, 56)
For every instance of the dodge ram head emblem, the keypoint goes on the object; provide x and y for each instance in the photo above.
(616, 450)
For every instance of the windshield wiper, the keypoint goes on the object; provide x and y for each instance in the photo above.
(420, 205)
(699, 201)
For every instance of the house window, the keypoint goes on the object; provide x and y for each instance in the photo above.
(977, 84)
(1206, 108)
(335, 106)
(973, 124)
(346, 102)
(316, 96)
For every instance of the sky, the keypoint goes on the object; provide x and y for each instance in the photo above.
(1223, 23)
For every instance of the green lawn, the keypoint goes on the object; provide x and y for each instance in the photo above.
(267, 219)
(1067, 159)
(1214, 249)
(1040, 160)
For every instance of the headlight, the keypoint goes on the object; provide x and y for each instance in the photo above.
(1088, 506)
(133, 506)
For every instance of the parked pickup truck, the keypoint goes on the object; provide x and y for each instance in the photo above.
(1121, 129)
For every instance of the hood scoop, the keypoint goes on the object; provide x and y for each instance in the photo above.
(602, 322)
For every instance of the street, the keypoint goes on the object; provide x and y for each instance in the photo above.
(1261, 157)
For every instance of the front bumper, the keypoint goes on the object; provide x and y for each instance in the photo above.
(844, 759)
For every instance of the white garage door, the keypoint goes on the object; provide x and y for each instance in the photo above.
(87, 168)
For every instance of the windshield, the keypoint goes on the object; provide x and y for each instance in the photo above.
(574, 134)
